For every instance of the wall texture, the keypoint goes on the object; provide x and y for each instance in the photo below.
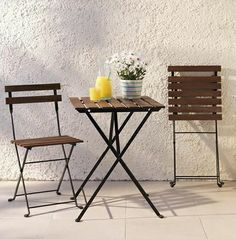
(63, 41)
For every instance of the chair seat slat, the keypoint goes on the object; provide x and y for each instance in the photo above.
(46, 141)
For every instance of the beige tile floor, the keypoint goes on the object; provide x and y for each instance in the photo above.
(192, 210)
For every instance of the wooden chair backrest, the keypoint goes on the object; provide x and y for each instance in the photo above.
(196, 96)
(10, 100)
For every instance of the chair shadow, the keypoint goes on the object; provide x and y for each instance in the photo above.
(166, 200)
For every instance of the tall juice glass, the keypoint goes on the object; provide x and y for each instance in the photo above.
(103, 83)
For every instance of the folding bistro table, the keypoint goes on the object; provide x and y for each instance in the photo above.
(115, 106)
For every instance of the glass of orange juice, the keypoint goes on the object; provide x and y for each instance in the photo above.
(94, 94)
(103, 83)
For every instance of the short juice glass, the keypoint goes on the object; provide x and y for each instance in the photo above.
(94, 94)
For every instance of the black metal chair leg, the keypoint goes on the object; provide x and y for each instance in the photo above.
(16, 190)
(63, 173)
(19, 164)
(70, 178)
(23, 183)
(21, 178)
(172, 183)
(219, 182)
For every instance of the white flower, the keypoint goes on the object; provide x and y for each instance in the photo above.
(132, 68)
(128, 65)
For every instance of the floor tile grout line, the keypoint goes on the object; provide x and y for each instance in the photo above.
(203, 228)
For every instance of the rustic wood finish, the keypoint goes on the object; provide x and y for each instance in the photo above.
(89, 104)
(195, 109)
(77, 103)
(128, 103)
(46, 141)
(116, 104)
(141, 103)
(194, 79)
(36, 87)
(194, 68)
(195, 97)
(33, 99)
(194, 101)
(195, 93)
(195, 117)
(194, 86)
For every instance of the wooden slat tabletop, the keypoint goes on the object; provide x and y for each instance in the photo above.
(152, 102)
(104, 105)
(128, 103)
(88, 103)
(116, 104)
(77, 103)
(144, 103)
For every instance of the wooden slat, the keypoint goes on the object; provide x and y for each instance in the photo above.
(211, 109)
(33, 140)
(190, 93)
(116, 104)
(128, 103)
(76, 102)
(46, 141)
(194, 86)
(152, 102)
(33, 99)
(194, 101)
(194, 79)
(104, 105)
(88, 103)
(195, 117)
(194, 68)
(35, 87)
(141, 103)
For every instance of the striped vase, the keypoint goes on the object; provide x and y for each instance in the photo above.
(131, 89)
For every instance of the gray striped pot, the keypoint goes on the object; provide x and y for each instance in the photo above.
(131, 89)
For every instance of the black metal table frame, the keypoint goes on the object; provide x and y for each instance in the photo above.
(118, 153)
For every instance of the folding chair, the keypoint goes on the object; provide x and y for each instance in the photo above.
(31, 143)
(195, 94)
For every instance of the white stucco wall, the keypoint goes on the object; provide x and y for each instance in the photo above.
(63, 41)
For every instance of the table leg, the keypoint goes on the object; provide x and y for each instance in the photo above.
(118, 156)
(112, 140)
(128, 171)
